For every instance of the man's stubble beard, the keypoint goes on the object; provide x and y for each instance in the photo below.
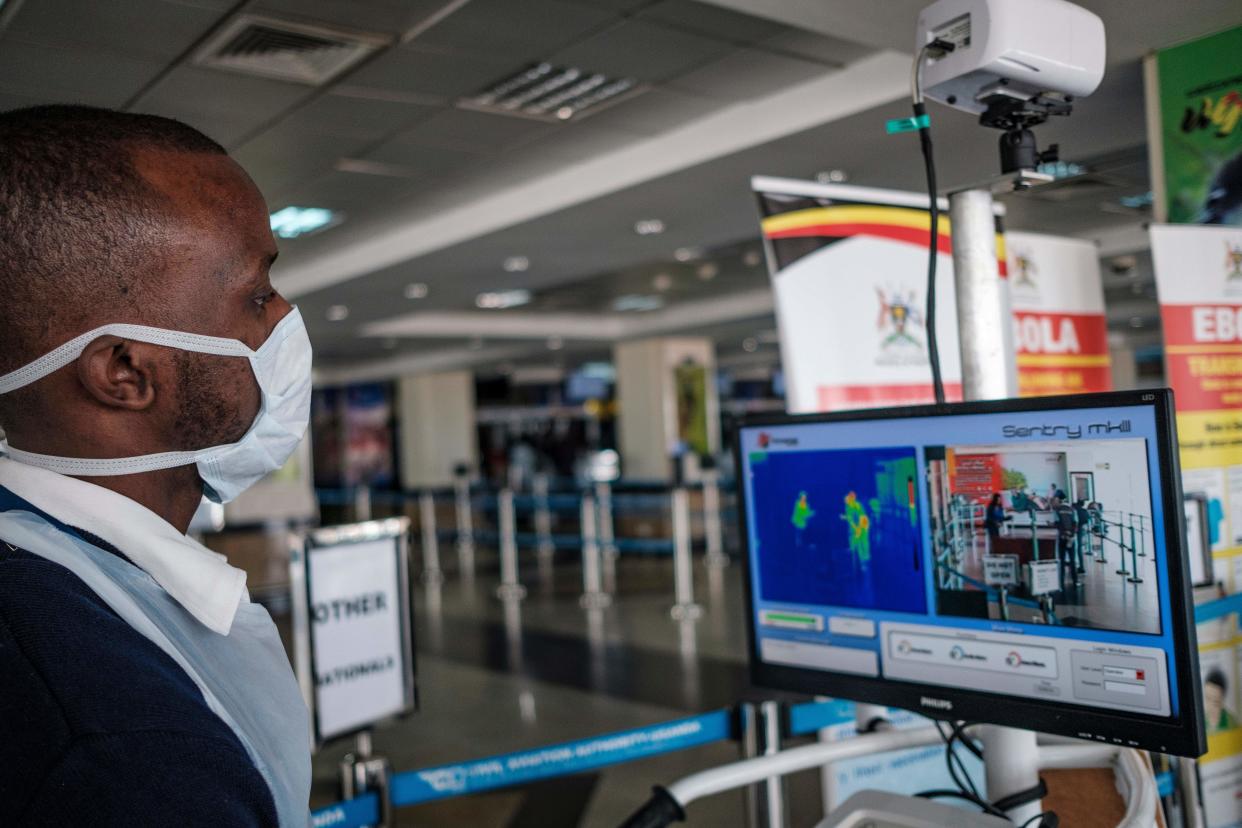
(209, 391)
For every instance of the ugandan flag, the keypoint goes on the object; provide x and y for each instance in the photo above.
(795, 233)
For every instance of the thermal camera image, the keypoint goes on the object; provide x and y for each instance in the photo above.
(840, 528)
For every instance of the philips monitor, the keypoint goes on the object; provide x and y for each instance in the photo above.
(1015, 562)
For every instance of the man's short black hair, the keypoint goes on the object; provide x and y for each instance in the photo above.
(80, 228)
(1216, 676)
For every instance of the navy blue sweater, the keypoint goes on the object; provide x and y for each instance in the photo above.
(98, 726)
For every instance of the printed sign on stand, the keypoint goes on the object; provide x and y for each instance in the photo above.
(1000, 570)
(352, 627)
(1045, 577)
(1060, 331)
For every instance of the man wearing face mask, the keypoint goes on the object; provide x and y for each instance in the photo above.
(145, 361)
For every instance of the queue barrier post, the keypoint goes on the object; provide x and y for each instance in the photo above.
(713, 529)
(432, 573)
(593, 595)
(362, 503)
(545, 547)
(683, 564)
(510, 588)
(465, 525)
(775, 807)
(362, 772)
(1134, 578)
(606, 528)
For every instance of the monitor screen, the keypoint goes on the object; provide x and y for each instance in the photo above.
(1018, 562)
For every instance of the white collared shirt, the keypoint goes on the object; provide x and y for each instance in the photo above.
(198, 579)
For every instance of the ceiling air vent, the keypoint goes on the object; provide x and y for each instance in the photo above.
(552, 93)
(284, 50)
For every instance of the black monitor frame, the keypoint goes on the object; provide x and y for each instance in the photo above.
(1182, 735)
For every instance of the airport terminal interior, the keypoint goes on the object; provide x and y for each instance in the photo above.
(565, 265)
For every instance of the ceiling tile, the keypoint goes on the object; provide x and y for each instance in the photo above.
(286, 154)
(87, 76)
(748, 73)
(138, 28)
(832, 51)
(442, 75)
(479, 132)
(390, 16)
(434, 162)
(711, 20)
(365, 119)
(225, 105)
(642, 50)
(655, 111)
(345, 192)
(528, 30)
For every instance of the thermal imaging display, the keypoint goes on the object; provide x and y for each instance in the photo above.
(937, 556)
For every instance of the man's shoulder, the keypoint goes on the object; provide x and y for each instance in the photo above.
(93, 663)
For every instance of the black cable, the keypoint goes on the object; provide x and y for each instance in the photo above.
(1047, 819)
(933, 247)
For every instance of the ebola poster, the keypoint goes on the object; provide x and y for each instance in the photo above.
(849, 274)
(1060, 331)
(1194, 94)
(1199, 281)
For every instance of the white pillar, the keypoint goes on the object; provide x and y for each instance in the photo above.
(438, 428)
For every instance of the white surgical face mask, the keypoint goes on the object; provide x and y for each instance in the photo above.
(282, 367)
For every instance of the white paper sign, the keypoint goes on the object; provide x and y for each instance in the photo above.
(356, 639)
(1000, 570)
(1045, 577)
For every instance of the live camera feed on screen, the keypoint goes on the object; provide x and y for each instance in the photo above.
(1056, 532)
(1019, 552)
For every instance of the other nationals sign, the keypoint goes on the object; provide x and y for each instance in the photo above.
(357, 609)
(849, 271)
(1060, 331)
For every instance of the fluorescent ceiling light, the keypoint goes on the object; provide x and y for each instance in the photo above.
(337, 313)
(550, 93)
(662, 282)
(292, 222)
(708, 271)
(516, 264)
(499, 300)
(649, 227)
(417, 290)
(687, 254)
(1136, 202)
(599, 370)
(635, 302)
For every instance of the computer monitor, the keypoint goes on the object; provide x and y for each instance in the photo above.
(1015, 562)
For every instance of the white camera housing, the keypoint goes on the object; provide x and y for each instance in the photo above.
(1016, 48)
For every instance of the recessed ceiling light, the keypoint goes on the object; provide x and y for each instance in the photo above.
(516, 264)
(636, 302)
(708, 271)
(752, 258)
(832, 176)
(292, 222)
(565, 113)
(337, 313)
(417, 290)
(501, 299)
(662, 282)
(649, 227)
(555, 343)
(687, 254)
(750, 344)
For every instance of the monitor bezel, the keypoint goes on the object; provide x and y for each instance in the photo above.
(1182, 736)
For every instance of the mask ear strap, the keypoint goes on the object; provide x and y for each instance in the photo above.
(61, 356)
(102, 467)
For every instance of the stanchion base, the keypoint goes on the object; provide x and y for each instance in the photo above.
(716, 561)
(1135, 580)
(1122, 571)
(433, 577)
(594, 600)
(511, 592)
(685, 612)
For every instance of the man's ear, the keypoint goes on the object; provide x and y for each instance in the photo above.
(119, 372)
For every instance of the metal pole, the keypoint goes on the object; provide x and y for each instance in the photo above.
(362, 503)
(683, 565)
(980, 300)
(465, 526)
(509, 589)
(774, 805)
(607, 532)
(432, 574)
(748, 740)
(593, 595)
(1134, 577)
(545, 549)
(712, 528)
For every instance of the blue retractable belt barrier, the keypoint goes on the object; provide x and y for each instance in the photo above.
(352, 813)
(1164, 784)
(413, 787)
(1215, 609)
(810, 717)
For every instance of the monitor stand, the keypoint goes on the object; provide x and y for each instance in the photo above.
(1011, 764)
